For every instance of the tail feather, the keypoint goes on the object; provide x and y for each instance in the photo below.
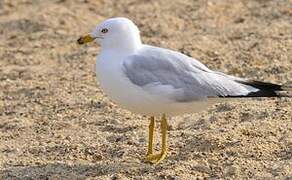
(266, 89)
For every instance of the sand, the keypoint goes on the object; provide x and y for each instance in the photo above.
(56, 123)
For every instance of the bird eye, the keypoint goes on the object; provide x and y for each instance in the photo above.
(104, 30)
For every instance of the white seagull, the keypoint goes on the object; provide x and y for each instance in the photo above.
(154, 81)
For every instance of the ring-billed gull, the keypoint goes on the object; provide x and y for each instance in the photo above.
(155, 81)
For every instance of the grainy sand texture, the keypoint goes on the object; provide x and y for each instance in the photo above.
(56, 123)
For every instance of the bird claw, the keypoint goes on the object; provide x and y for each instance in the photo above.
(156, 158)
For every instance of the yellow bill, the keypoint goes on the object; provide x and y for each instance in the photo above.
(85, 39)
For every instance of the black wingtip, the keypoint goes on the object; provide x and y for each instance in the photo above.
(263, 85)
(265, 90)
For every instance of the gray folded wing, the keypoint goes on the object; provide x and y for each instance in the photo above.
(178, 77)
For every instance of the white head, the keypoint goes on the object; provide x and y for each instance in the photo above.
(115, 33)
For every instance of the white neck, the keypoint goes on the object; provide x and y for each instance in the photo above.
(125, 46)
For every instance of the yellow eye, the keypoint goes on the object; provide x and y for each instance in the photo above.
(104, 30)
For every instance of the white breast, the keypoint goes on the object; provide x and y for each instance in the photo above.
(119, 89)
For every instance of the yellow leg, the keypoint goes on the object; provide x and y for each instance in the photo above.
(151, 136)
(156, 158)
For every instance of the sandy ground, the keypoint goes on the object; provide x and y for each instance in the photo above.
(55, 122)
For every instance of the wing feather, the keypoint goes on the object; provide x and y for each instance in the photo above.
(178, 77)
